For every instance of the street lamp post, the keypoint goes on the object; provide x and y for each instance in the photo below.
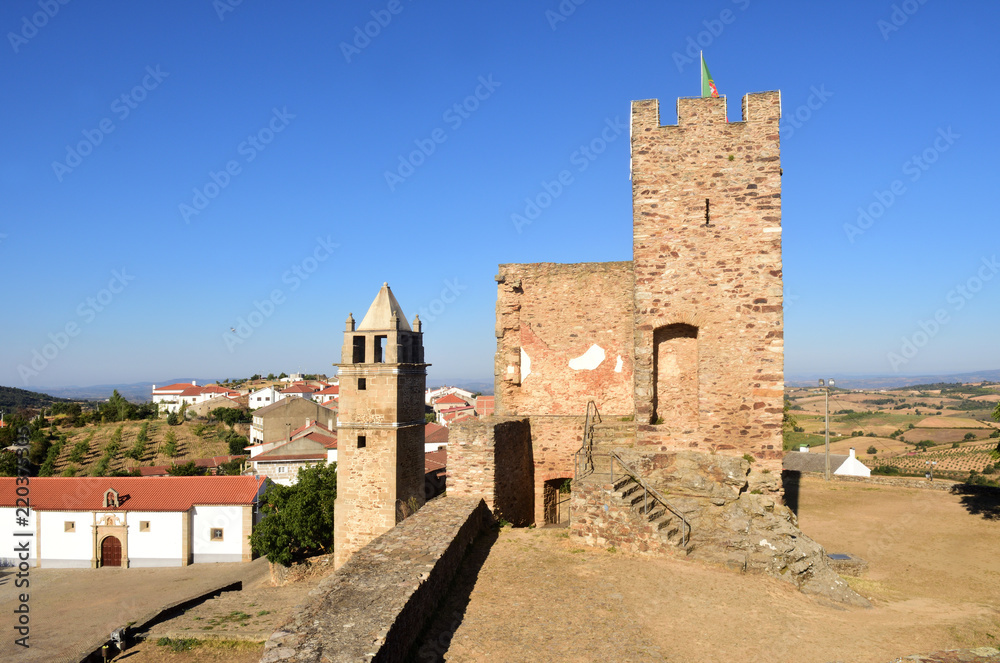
(825, 385)
(930, 466)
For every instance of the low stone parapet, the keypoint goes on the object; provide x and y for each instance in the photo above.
(899, 482)
(374, 607)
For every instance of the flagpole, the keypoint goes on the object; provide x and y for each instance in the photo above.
(701, 74)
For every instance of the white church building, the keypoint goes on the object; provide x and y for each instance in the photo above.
(90, 522)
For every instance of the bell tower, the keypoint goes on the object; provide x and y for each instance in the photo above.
(380, 427)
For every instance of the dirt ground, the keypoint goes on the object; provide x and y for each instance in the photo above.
(934, 582)
(537, 594)
(73, 608)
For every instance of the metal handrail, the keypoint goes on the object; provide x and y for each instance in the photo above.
(649, 490)
(587, 445)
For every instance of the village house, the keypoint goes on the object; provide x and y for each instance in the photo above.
(264, 397)
(90, 522)
(174, 396)
(281, 461)
(276, 422)
(431, 395)
(839, 463)
(298, 391)
(327, 394)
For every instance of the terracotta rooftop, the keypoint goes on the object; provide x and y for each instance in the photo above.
(435, 460)
(211, 463)
(177, 386)
(435, 434)
(450, 399)
(299, 389)
(332, 389)
(135, 493)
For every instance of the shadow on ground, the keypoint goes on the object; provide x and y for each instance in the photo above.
(979, 500)
(434, 642)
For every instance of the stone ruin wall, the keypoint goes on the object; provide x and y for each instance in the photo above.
(708, 298)
(375, 606)
(491, 458)
(549, 315)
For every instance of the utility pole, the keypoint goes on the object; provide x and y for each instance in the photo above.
(825, 385)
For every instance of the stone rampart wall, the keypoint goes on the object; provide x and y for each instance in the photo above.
(491, 458)
(374, 607)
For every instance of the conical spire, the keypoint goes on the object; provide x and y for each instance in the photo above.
(379, 315)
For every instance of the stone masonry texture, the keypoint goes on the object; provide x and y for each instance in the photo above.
(374, 607)
(491, 458)
(722, 279)
(380, 434)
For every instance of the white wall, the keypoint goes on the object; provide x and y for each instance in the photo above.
(8, 525)
(62, 549)
(230, 519)
(162, 545)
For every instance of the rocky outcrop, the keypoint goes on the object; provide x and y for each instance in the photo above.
(735, 513)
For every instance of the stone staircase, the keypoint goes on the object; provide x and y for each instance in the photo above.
(649, 510)
(622, 515)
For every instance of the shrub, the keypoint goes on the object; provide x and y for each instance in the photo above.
(872, 450)
(886, 470)
(970, 436)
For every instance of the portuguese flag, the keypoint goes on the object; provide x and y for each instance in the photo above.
(708, 88)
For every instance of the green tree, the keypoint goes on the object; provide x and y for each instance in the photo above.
(298, 520)
(170, 444)
(787, 420)
(236, 443)
(188, 469)
(231, 415)
(283, 376)
(232, 467)
(872, 450)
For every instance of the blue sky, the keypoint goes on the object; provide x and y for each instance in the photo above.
(167, 169)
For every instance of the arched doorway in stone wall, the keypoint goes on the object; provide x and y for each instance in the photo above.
(111, 551)
(675, 377)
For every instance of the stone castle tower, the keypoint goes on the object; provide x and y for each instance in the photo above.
(380, 428)
(708, 325)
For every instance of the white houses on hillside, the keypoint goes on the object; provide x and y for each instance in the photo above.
(88, 522)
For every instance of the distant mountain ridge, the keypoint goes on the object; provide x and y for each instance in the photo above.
(855, 381)
(136, 392)
(13, 398)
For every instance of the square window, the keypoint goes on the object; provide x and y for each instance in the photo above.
(143, 525)
(216, 534)
(362, 441)
(69, 526)
(362, 384)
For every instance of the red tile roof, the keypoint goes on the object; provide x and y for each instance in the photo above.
(450, 399)
(177, 386)
(135, 493)
(328, 441)
(332, 389)
(435, 434)
(299, 389)
(459, 408)
(310, 425)
(211, 463)
(435, 460)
